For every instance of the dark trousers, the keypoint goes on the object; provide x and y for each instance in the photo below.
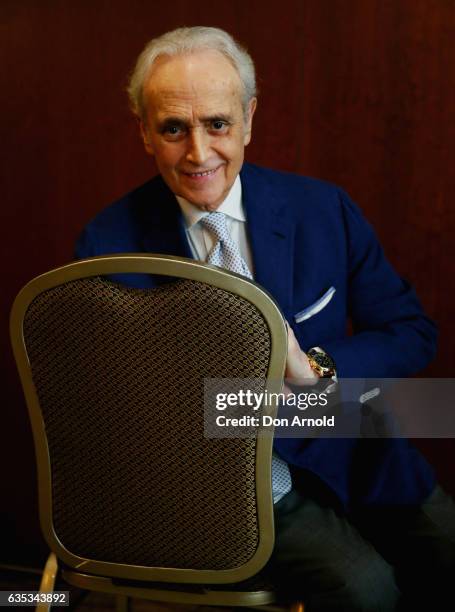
(378, 558)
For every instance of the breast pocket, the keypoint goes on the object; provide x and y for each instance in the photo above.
(315, 307)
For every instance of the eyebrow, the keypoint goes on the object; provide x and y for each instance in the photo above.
(217, 117)
(179, 121)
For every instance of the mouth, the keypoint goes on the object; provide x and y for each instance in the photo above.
(202, 174)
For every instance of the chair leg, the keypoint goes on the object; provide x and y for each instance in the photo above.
(48, 581)
(122, 603)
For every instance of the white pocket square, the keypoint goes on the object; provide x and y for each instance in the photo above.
(321, 303)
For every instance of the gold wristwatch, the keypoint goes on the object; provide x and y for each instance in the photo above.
(322, 363)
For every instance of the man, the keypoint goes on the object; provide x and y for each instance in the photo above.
(361, 521)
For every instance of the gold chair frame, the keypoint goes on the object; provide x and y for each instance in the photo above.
(97, 575)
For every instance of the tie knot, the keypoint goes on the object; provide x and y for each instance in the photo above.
(215, 222)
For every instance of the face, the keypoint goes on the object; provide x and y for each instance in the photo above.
(195, 126)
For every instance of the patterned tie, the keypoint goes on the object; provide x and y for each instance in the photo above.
(226, 254)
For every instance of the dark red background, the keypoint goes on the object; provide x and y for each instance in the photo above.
(358, 92)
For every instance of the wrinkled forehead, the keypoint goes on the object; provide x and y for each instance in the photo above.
(196, 77)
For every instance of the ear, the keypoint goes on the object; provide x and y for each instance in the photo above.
(249, 120)
(145, 138)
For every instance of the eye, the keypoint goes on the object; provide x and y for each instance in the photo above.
(173, 131)
(219, 125)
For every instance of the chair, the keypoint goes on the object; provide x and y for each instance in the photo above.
(134, 500)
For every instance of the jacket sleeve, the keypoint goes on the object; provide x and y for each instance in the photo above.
(392, 337)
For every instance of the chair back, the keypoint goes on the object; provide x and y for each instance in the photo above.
(113, 376)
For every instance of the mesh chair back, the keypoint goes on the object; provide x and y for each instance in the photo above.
(119, 373)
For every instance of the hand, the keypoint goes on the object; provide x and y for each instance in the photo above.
(298, 369)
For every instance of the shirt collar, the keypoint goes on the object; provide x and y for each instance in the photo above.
(231, 206)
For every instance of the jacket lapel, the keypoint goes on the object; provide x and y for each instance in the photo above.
(162, 223)
(271, 234)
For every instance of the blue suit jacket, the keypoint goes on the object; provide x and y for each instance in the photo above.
(307, 236)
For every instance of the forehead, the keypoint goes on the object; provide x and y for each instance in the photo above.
(204, 81)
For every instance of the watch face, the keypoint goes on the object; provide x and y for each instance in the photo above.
(324, 360)
(324, 363)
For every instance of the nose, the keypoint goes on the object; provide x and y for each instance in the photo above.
(198, 146)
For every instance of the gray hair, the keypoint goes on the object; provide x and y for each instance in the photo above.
(188, 40)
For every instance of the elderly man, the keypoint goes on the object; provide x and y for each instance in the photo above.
(358, 523)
